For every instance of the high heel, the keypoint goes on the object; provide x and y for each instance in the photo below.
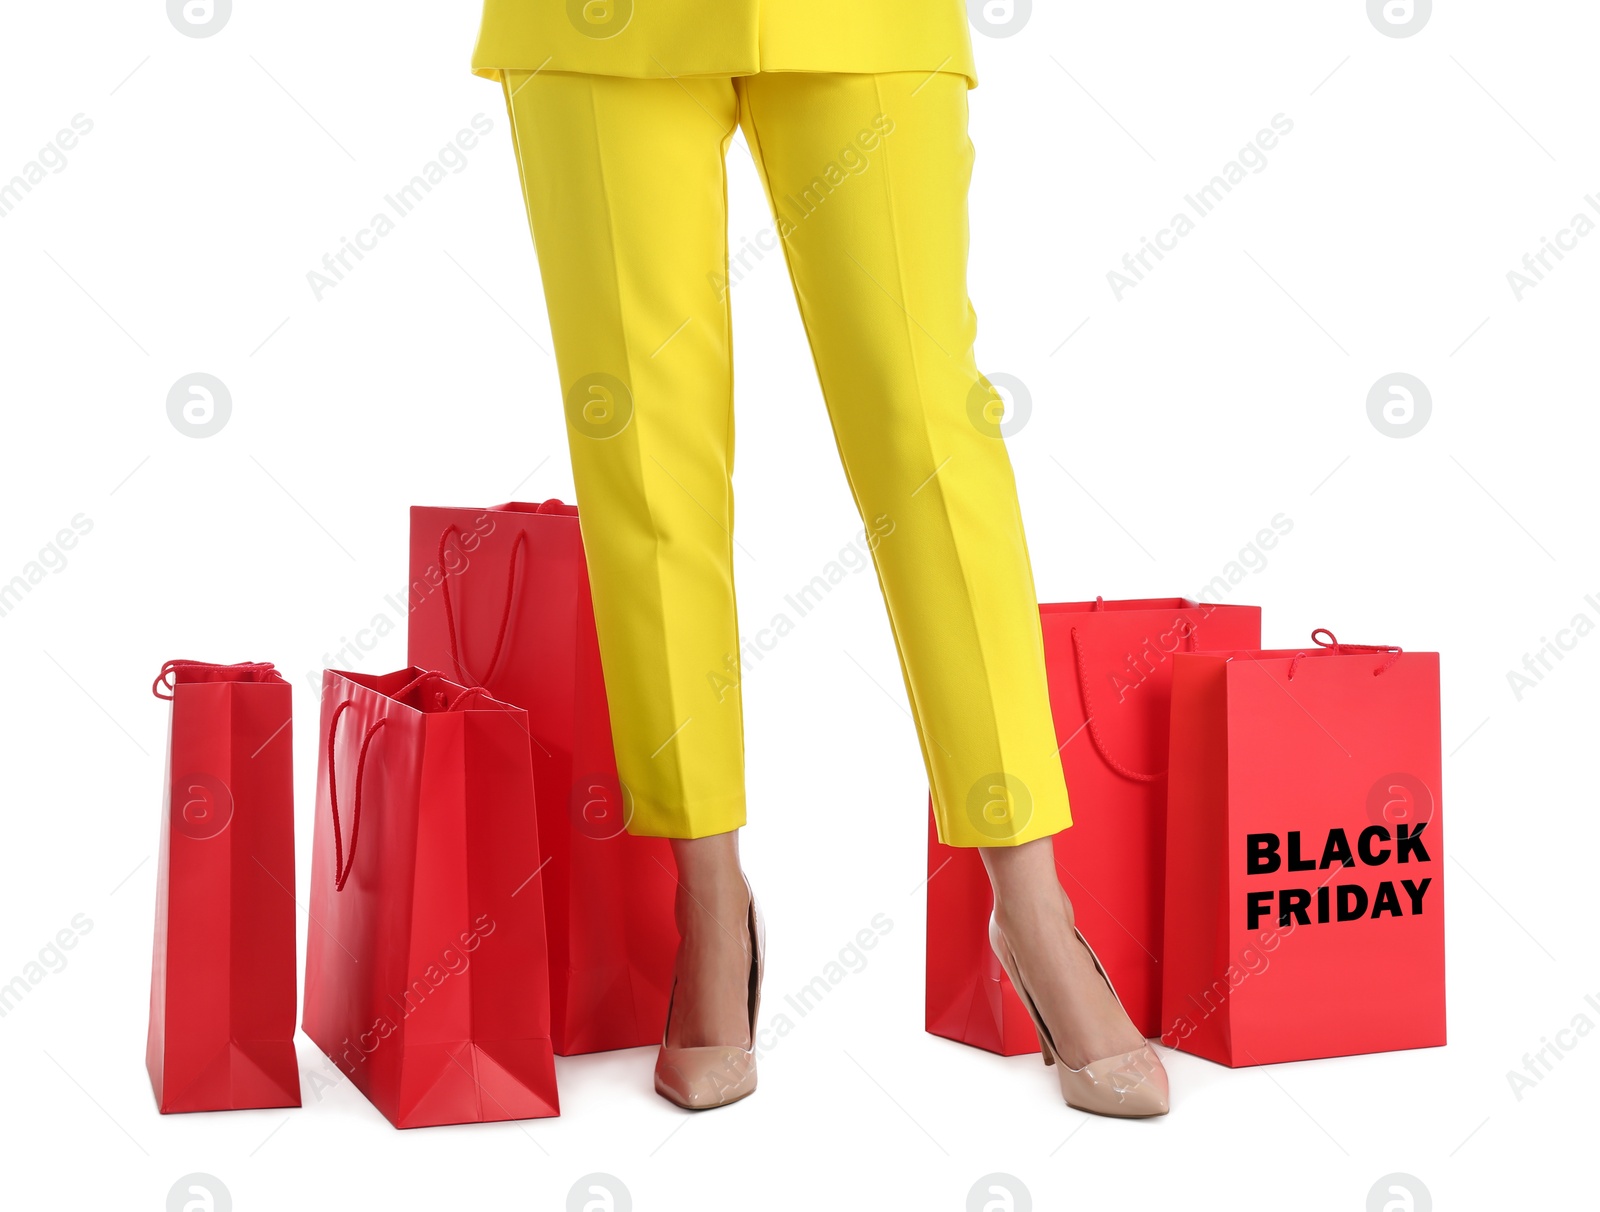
(1131, 1085)
(715, 1075)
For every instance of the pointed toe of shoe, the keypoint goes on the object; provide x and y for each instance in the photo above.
(698, 1079)
(1130, 1086)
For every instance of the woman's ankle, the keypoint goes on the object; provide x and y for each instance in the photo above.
(1026, 888)
(711, 884)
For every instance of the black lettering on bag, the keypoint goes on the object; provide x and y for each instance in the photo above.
(1352, 902)
(1261, 853)
(1337, 850)
(1408, 844)
(1369, 856)
(1257, 906)
(1415, 891)
(1296, 863)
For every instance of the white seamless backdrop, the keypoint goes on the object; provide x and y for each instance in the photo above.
(1419, 206)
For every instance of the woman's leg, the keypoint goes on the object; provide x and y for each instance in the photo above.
(868, 176)
(1036, 917)
(712, 1001)
(625, 192)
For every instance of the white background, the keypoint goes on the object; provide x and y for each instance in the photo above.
(1228, 387)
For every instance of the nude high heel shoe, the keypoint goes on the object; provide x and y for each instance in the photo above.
(700, 1078)
(1132, 1085)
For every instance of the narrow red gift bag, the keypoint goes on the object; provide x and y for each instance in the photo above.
(425, 966)
(1110, 670)
(500, 599)
(223, 980)
(1305, 854)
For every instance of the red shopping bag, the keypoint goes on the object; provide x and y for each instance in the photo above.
(1110, 672)
(223, 981)
(500, 599)
(1305, 857)
(425, 967)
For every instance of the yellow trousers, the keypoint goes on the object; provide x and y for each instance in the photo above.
(867, 175)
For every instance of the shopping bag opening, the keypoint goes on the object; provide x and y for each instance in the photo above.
(426, 691)
(554, 505)
(1101, 605)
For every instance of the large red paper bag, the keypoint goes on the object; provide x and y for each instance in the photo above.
(500, 599)
(223, 981)
(1110, 671)
(1305, 855)
(425, 968)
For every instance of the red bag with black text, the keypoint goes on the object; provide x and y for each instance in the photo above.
(1110, 672)
(223, 981)
(499, 598)
(425, 966)
(1305, 858)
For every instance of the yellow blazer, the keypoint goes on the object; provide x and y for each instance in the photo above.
(645, 38)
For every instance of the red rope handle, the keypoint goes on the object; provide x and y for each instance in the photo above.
(424, 678)
(518, 547)
(1332, 642)
(167, 679)
(342, 866)
(441, 699)
(472, 692)
(1088, 708)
